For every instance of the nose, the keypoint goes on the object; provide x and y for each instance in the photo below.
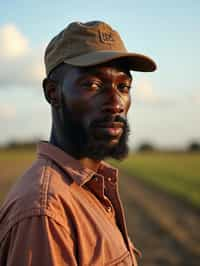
(113, 103)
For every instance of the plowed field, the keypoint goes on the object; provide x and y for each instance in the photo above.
(165, 229)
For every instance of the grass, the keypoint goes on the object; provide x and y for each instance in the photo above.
(176, 173)
(12, 165)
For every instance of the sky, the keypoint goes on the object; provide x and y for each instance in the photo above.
(165, 104)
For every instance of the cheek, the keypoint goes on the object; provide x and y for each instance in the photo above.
(78, 108)
(127, 104)
(75, 104)
(81, 110)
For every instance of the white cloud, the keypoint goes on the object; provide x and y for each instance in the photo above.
(196, 99)
(13, 43)
(22, 66)
(32, 121)
(7, 112)
(144, 92)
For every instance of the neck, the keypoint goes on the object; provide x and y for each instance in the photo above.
(67, 146)
(90, 163)
(57, 140)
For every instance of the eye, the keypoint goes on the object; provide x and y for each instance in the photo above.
(124, 87)
(92, 85)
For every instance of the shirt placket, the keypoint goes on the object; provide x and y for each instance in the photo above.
(113, 194)
(96, 186)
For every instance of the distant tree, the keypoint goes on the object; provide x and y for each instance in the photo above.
(194, 146)
(27, 144)
(146, 147)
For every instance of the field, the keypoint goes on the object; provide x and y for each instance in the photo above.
(175, 173)
(161, 195)
(12, 164)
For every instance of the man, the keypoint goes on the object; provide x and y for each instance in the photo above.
(66, 209)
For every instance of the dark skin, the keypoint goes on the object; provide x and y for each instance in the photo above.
(93, 97)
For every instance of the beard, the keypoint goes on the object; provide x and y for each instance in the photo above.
(84, 143)
(100, 150)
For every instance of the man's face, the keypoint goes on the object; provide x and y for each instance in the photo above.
(95, 105)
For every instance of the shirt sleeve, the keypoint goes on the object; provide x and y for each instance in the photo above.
(38, 240)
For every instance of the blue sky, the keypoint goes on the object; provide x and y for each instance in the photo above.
(166, 103)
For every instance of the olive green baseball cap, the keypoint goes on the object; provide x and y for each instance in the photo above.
(89, 44)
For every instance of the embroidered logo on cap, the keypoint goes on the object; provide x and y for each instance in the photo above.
(106, 37)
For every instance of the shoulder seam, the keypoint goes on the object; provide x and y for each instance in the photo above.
(46, 174)
(28, 214)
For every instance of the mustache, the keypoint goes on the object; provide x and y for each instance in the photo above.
(109, 119)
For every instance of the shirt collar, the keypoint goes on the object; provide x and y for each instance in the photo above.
(73, 167)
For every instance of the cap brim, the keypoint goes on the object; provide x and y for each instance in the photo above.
(136, 62)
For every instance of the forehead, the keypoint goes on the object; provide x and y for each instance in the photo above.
(107, 70)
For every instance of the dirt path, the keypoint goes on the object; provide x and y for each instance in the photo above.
(166, 230)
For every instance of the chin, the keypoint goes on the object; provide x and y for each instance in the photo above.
(99, 145)
(111, 144)
(102, 149)
(107, 142)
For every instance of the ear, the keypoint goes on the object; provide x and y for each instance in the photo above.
(51, 92)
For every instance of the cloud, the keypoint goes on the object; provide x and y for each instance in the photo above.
(22, 65)
(145, 93)
(13, 43)
(7, 112)
(195, 98)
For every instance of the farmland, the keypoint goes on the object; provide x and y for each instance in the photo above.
(175, 173)
(161, 194)
(12, 164)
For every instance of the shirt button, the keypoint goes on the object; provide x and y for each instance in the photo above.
(108, 209)
(109, 179)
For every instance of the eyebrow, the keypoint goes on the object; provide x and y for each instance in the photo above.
(99, 73)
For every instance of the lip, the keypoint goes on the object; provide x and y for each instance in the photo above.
(113, 129)
(116, 125)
